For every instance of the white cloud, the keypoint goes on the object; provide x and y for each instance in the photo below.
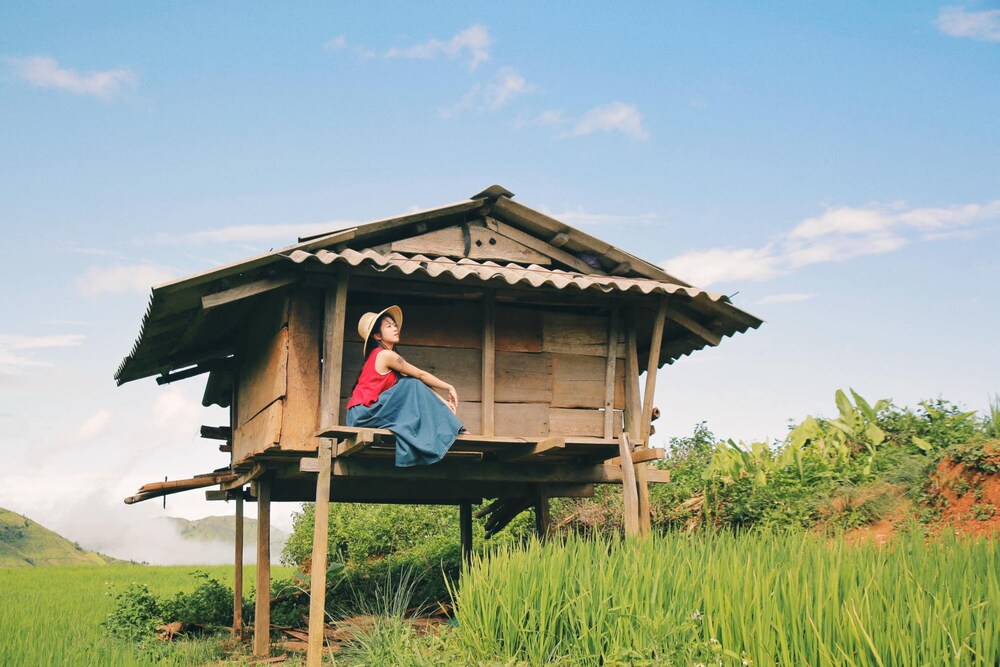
(957, 22)
(284, 234)
(45, 72)
(473, 42)
(838, 234)
(338, 43)
(172, 409)
(794, 297)
(612, 117)
(505, 85)
(580, 217)
(95, 425)
(12, 357)
(122, 279)
(550, 117)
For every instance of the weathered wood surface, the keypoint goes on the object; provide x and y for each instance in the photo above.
(246, 290)
(317, 586)
(629, 489)
(610, 369)
(334, 323)
(263, 377)
(578, 381)
(488, 426)
(301, 418)
(523, 377)
(519, 329)
(260, 434)
(484, 244)
(262, 604)
(426, 322)
(238, 573)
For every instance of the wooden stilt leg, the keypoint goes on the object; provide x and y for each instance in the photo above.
(238, 571)
(317, 587)
(465, 523)
(262, 607)
(542, 519)
(647, 413)
(629, 491)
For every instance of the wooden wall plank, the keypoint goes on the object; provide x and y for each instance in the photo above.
(578, 381)
(425, 323)
(460, 367)
(261, 433)
(523, 377)
(263, 376)
(563, 421)
(571, 333)
(528, 419)
(301, 419)
(518, 329)
(609, 373)
(489, 353)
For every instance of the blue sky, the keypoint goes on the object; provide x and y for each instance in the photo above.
(835, 167)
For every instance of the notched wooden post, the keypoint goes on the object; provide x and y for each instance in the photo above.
(262, 604)
(629, 491)
(238, 571)
(317, 586)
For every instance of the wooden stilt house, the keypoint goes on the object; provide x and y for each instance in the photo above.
(543, 330)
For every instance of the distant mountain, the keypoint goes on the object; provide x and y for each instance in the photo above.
(223, 529)
(24, 543)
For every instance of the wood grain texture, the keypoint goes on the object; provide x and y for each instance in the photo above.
(578, 381)
(301, 419)
(260, 434)
(518, 329)
(523, 377)
(331, 382)
(484, 244)
(263, 377)
(317, 587)
(262, 604)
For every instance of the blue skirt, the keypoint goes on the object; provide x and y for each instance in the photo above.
(423, 425)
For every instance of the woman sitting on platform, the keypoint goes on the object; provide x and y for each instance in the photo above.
(393, 394)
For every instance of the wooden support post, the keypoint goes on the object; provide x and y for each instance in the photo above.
(647, 413)
(262, 606)
(633, 401)
(334, 314)
(465, 524)
(543, 520)
(317, 586)
(629, 490)
(238, 572)
(609, 373)
(489, 362)
(651, 367)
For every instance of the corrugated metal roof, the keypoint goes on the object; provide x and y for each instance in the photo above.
(513, 274)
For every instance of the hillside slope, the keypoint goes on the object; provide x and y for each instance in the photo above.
(223, 529)
(24, 543)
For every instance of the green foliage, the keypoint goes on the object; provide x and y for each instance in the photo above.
(991, 422)
(733, 599)
(209, 604)
(135, 615)
(937, 424)
(54, 615)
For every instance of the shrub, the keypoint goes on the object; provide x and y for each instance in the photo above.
(135, 615)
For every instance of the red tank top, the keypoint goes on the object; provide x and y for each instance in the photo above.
(371, 384)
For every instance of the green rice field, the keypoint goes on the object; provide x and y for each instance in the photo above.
(729, 599)
(51, 616)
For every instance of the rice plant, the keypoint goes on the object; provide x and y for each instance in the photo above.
(788, 599)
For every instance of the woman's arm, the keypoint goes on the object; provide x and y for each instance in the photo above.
(391, 360)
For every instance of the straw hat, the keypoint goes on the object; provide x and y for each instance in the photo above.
(369, 320)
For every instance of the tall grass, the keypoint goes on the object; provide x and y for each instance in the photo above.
(791, 599)
(52, 615)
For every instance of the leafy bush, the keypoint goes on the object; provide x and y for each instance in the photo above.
(137, 612)
(135, 615)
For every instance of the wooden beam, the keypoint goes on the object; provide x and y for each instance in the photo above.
(334, 315)
(317, 586)
(246, 291)
(695, 328)
(651, 368)
(609, 372)
(262, 604)
(621, 269)
(183, 374)
(541, 246)
(633, 401)
(160, 489)
(217, 432)
(540, 447)
(559, 240)
(465, 525)
(648, 454)
(489, 362)
(238, 574)
(243, 478)
(629, 489)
